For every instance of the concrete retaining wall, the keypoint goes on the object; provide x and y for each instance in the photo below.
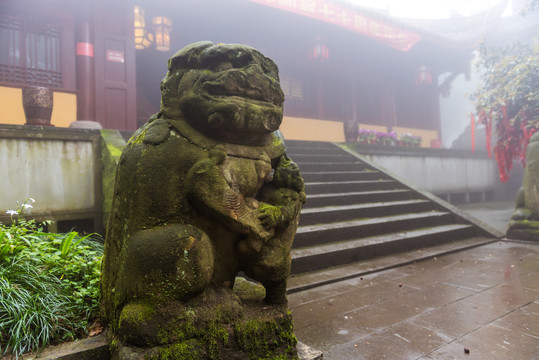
(440, 171)
(59, 168)
(68, 171)
(441, 175)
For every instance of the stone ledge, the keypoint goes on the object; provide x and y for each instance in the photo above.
(96, 348)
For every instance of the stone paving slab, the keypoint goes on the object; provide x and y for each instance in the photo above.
(485, 300)
(94, 348)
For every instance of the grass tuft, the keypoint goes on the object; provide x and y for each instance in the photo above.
(49, 285)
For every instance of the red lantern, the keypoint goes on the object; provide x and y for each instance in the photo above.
(424, 76)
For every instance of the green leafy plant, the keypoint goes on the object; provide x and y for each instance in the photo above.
(49, 284)
(410, 140)
(33, 308)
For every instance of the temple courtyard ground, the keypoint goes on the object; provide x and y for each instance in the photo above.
(481, 303)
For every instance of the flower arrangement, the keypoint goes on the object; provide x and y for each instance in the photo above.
(387, 139)
(367, 136)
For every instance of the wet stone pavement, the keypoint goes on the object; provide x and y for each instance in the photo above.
(482, 303)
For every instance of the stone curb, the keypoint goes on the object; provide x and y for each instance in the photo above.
(96, 348)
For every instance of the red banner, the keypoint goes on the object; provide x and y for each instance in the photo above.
(473, 132)
(85, 49)
(349, 18)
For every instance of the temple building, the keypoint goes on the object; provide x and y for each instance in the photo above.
(341, 65)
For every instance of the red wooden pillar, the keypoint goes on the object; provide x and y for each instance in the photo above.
(353, 91)
(85, 64)
(388, 107)
(320, 100)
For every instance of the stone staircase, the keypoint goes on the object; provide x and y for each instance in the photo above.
(356, 212)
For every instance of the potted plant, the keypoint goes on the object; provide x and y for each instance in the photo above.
(386, 139)
(410, 140)
(365, 136)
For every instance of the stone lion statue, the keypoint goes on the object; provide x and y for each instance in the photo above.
(204, 190)
(524, 224)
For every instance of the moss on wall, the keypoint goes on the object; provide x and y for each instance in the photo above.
(112, 144)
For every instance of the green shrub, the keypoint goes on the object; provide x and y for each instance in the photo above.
(49, 284)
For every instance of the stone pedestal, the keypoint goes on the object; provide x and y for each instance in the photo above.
(217, 324)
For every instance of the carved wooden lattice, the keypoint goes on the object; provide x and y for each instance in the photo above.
(31, 52)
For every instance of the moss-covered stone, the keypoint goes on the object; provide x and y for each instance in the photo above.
(523, 230)
(531, 176)
(204, 190)
(522, 214)
(215, 325)
(524, 224)
(112, 145)
(187, 350)
(134, 323)
(268, 337)
(248, 290)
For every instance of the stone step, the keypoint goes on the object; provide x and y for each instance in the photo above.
(309, 280)
(357, 215)
(315, 157)
(331, 167)
(294, 145)
(295, 151)
(357, 197)
(344, 252)
(313, 188)
(318, 176)
(311, 216)
(313, 235)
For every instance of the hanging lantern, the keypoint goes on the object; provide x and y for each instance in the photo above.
(319, 50)
(424, 76)
(147, 41)
(162, 27)
(140, 28)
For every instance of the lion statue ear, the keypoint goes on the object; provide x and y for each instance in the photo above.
(228, 92)
(184, 60)
(188, 57)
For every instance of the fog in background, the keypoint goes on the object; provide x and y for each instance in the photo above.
(454, 110)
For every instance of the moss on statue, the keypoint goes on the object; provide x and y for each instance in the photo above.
(530, 182)
(136, 313)
(271, 338)
(217, 324)
(204, 190)
(185, 351)
(112, 145)
(524, 224)
(248, 290)
(523, 230)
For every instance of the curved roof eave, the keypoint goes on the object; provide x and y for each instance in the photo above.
(455, 32)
